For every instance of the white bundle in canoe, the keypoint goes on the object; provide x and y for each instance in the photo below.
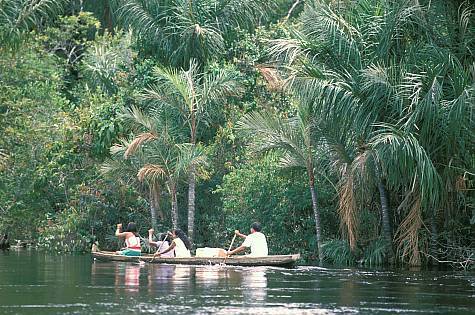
(210, 252)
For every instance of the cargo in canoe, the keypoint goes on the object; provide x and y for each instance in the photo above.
(287, 261)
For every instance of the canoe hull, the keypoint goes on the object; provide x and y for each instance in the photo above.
(287, 261)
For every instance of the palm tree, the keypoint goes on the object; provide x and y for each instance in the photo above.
(185, 30)
(190, 95)
(332, 62)
(160, 159)
(20, 16)
(295, 138)
(385, 89)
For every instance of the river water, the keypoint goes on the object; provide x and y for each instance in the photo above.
(35, 283)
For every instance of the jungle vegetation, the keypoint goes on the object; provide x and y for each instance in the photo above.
(345, 127)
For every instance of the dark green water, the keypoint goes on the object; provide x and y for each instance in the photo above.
(34, 283)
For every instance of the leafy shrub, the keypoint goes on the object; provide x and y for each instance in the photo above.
(338, 252)
(375, 254)
(64, 235)
(261, 191)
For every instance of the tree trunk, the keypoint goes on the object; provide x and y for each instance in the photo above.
(154, 205)
(316, 213)
(433, 238)
(174, 206)
(191, 203)
(108, 17)
(387, 234)
(192, 179)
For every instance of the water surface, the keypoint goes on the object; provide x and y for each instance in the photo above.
(35, 283)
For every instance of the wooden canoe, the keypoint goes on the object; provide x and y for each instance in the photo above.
(287, 261)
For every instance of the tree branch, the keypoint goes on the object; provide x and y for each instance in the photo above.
(292, 8)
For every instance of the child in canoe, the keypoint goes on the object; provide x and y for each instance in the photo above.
(180, 243)
(132, 241)
(162, 244)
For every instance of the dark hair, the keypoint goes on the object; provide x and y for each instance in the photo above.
(256, 226)
(180, 234)
(162, 237)
(131, 227)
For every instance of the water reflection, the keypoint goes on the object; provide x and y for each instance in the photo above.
(127, 276)
(249, 283)
(178, 289)
(132, 278)
(254, 284)
(210, 276)
(348, 292)
(35, 284)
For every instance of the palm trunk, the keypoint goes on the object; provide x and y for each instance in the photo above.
(191, 203)
(385, 218)
(192, 184)
(174, 206)
(433, 238)
(108, 17)
(154, 205)
(316, 213)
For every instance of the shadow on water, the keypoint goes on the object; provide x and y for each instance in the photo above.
(34, 283)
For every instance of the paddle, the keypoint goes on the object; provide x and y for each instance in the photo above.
(230, 246)
(160, 247)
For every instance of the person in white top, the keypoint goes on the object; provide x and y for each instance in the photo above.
(162, 244)
(256, 241)
(181, 244)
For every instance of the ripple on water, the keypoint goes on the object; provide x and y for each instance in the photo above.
(72, 285)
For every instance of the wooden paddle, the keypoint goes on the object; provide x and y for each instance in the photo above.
(160, 247)
(230, 246)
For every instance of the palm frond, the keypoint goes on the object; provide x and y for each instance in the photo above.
(171, 90)
(136, 116)
(347, 209)
(321, 23)
(188, 156)
(137, 142)
(150, 172)
(217, 86)
(104, 60)
(119, 170)
(140, 16)
(270, 133)
(407, 235)
(186, 30)
(20, 16)
(405, 159)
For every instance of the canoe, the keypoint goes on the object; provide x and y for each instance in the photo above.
(287, 261)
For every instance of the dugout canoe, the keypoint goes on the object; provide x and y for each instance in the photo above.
(287, 261)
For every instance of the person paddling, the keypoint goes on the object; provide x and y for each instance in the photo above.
(256, 241)
(162, 244)
(132, 241)
(181, 244)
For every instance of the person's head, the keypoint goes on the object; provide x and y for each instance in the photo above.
(162, 237)
(177, 233)
(132, 227)
(256, 227)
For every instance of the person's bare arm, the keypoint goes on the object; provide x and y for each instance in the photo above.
(118, 231)
(150, 238)
(170, 248)
(236, 250)
(240, 234)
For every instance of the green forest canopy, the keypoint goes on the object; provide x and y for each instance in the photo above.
(344, 127)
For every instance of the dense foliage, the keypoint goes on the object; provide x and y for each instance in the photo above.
(345, 127)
